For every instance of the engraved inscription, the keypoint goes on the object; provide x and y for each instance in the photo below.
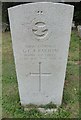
(41, 51)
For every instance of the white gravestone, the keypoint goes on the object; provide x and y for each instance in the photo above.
(40, 37)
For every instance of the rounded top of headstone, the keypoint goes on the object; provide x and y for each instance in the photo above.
(39, 3)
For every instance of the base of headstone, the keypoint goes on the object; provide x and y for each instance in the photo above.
(43, 110)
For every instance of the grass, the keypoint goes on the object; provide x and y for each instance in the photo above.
(11, 102)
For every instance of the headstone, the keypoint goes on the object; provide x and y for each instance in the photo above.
(79, 30)
(5, 27)
(73, 25)
(40, 37)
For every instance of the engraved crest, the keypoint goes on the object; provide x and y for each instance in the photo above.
(40, 30)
